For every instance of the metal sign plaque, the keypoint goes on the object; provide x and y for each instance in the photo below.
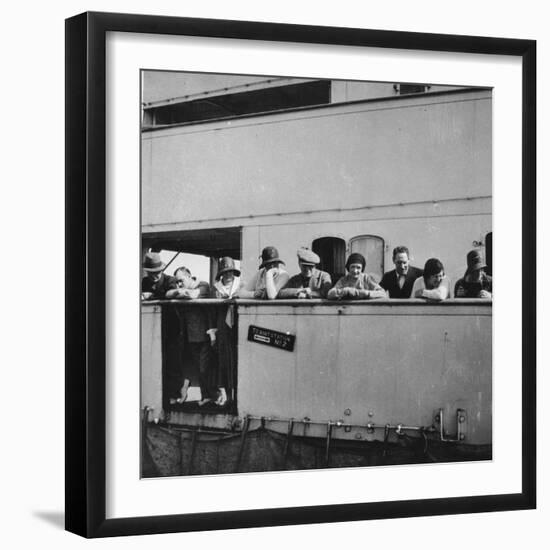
(283, 340)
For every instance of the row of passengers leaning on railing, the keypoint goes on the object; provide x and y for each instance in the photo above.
(208, 335)
(405, 281)
(273, 281)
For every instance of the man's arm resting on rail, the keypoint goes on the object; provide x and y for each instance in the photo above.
(326, 284)
(289, 293)
(202, 290)
(300, 292)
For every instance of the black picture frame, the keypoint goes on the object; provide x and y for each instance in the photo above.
(86, 285)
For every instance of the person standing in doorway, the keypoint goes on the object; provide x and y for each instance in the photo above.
(227, 285)
(197, 332)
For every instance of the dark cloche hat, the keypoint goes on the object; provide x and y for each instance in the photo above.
(226, 264)
(269, 256)
(474, 260)
(152, 262)
(308, 257)
(356, 258)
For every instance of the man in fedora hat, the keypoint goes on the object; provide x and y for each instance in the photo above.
(475, 283)
(310, 282)
(269, 279)
(156, 283)
(356, 285)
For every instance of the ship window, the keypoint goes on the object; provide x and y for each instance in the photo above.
(489, 253)
(403, 88)
(332, 252)
(372, 247)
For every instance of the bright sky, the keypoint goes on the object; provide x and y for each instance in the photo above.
(198, 265)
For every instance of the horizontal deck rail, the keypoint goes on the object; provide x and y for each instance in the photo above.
(327, 303)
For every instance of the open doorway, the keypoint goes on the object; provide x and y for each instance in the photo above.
(199, 348)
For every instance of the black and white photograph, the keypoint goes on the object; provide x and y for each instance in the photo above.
(316, 273)
(274, 275)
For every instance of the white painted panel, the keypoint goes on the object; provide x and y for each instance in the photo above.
(373, 153)
(371, 363)
(151, 360)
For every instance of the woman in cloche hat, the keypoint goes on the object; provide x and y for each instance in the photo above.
(227, 279)
(228, 284)
(269, 278)
(356, 284)
(475, 283)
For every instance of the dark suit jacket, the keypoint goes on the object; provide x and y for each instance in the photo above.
(160, 288)
(196, 320)
(389, 282)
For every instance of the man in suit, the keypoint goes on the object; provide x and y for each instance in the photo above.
(399, 282)
(156, 283)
